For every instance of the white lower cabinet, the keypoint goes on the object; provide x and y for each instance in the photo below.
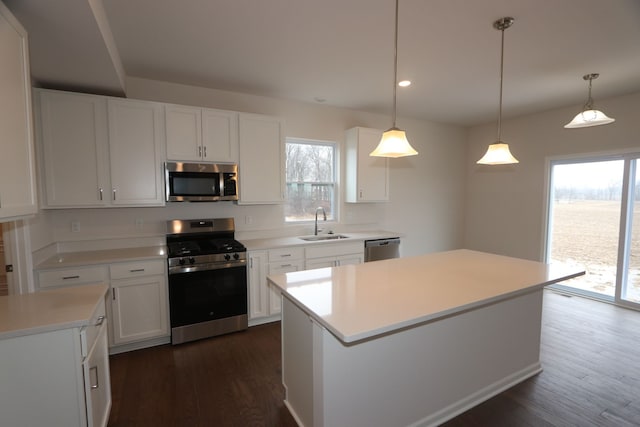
(282, 261)
(256, 281)
(334, 255)
(138, 301)
(264, 301)
(58, 378)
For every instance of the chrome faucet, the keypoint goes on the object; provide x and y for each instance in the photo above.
(315, 233)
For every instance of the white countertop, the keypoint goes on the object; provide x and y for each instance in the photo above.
(105, 256)
(278, 242)
(357, 302)
(49, 310)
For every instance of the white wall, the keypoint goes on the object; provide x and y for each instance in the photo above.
(505, 204)
(427, 191)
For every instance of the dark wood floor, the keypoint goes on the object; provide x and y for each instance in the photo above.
(590, 355)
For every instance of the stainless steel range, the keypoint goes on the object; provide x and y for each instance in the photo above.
(207, 279)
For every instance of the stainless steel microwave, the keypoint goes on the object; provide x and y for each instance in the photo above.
(200, 182)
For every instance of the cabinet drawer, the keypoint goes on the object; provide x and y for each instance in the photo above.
(335, 249)
(276, 255)
(72, 276)
(90, 332)
(126, 270)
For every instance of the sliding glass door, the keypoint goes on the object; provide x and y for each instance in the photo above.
(591, 216)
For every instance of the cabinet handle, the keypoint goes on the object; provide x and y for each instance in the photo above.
(100, 193)
(250, 262)
(113, 294)
(285, 255)
(136, 270)
(205, 151)
(95, 375)
(114, 194)
(70, 277)
(285, 265)
(200, 151)
(100, 320)
(361, 194)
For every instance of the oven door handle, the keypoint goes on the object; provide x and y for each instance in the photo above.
(180, 269)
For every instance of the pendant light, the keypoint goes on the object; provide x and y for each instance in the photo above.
(394, 141)
(498, 153)
(589, 116)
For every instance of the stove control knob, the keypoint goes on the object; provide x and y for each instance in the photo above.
(227, 257)
(181, 261)
(236, 256)
(192, 260)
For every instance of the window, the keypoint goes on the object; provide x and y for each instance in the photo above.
(311, 179)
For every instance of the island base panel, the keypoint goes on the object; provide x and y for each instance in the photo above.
(421, 376)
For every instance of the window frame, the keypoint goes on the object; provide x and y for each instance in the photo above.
(335, 202)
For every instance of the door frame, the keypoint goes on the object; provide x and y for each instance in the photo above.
(627, 155)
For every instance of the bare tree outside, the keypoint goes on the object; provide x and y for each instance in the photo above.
(310, 178)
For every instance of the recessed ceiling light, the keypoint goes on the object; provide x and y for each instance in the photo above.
(404, 83)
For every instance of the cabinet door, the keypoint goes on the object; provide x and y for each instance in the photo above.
(367, 177)
(74, 149)
(17, 167)
(97, 382)
(220, 136)
(258, 297)
(275, 301)
(350, 259)
(261, 164)
(139, 309)
(320, 262)
(184, 132)
(135, 148)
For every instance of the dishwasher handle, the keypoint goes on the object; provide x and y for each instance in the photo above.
(382, 242)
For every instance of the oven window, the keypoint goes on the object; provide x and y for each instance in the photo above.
(195, 184)
(207, 295)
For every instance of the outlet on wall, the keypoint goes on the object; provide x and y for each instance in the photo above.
(75, 226)
(248, 220)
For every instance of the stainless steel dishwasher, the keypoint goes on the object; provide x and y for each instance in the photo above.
(375, 250)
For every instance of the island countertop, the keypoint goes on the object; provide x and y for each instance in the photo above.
(357, 302)
(49, 310)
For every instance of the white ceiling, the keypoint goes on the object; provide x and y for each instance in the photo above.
(342, 50)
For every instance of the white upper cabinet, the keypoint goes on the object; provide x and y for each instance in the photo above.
(261, 165)
(220, 136)
(98, 151)
(73, 147)
(17, 167)
(367, 177)
(201, 134)
(135, 152)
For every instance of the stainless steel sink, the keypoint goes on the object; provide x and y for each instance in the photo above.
(323, 237)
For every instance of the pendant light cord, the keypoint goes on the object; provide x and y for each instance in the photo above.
(589, 104)
(501, 78)
(395, 66)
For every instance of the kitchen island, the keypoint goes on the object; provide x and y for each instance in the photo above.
(409, 341)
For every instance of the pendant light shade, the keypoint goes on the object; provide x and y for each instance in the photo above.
(394, 144)
(589, 116)
(394, 141)
(498, 153)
